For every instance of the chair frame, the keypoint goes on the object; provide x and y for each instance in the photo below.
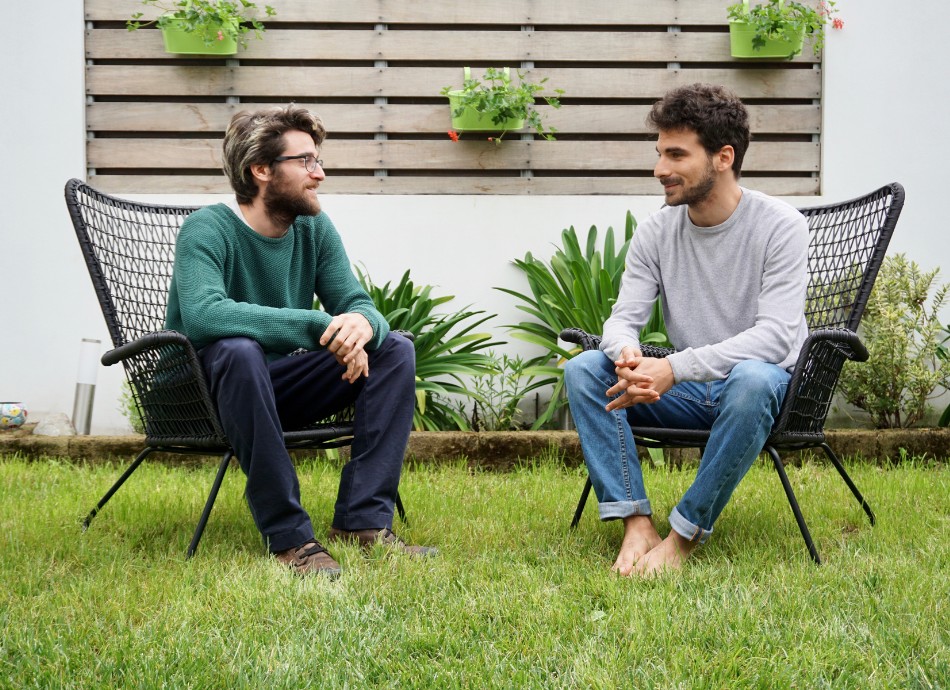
(835, 305)
(162, 366)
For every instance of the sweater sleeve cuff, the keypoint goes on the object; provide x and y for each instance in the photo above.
(683, 364)
(379, 325)
(614, 350)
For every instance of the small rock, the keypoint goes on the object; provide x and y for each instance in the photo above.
(55, 425)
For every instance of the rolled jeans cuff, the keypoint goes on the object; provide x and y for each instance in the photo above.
(352, 522)
(621, 509)
(687, 529)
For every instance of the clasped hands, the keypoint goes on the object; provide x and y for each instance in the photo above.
(639, 379)
(346, 337)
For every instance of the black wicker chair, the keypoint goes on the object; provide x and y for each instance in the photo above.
(847, 246)
(129, 250)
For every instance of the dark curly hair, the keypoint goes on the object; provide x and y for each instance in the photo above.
(714, 112)
(257, 138)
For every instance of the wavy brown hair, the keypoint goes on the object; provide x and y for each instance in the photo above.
(714, 112)
(257, 138)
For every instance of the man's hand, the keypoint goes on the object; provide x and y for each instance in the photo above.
(356, 367)
(346, 336)
(639, 379)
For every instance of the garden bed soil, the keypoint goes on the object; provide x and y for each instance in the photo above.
(496, 450)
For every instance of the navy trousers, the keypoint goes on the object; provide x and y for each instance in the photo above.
(258, 399)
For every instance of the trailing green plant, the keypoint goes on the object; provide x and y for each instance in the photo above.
(497, 394)
(496, 97)
(447, 347)
(212, 20)
(782, 20)
(576, 288)
(901, 331)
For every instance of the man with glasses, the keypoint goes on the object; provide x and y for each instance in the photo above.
(246, 272)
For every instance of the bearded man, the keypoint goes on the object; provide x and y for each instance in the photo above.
(246, 272)
(730, 267)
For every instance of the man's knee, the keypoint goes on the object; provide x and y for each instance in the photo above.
(583, 367)
(404, 347)
(399, 350)
(238, 351)
(238, 347)
(395, 362)
(754, 383)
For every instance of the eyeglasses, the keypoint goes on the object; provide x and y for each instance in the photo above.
(309, 161)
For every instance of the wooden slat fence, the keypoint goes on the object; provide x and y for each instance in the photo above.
(373, 69)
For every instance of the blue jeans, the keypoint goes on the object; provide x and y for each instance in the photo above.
(739, 412)
(257, 400)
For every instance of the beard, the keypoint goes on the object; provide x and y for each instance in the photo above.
(694, 194)
(284, 201)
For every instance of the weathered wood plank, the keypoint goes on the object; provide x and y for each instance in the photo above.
(588, 13)
(461, 47)
(335, 32)
(368, 184)
(444, 155)
(407, 82)
(399, 118)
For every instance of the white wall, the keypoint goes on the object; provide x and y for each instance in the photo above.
(881, 96)
(47, 306)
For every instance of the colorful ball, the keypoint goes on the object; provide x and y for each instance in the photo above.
(12, 415)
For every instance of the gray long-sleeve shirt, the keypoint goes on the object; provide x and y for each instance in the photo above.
(731, 292)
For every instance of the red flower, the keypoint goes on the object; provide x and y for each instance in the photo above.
(453, 135)
(220, 36)
(837, 23)
(490, 139)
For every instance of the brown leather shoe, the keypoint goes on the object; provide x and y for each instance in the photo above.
(367, 538)
(310, 559)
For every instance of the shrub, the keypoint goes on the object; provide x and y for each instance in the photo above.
(497, 394)
(901, 331)
(446, 348)
(130, 409)
(943, 352)
(577, 288)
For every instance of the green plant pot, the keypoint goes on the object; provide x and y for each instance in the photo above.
(182, 42)
(740, 38)
(473, 121)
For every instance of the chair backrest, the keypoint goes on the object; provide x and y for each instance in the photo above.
(129, 250)
(846, 249)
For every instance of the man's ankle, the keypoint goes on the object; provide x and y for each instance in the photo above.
(640, 525)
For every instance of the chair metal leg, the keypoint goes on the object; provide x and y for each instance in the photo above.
(847, 480)
(203, 520)
(401, 510)
(115, 487)
(793, 502)
(581, 503)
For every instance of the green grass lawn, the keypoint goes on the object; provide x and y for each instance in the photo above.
(514, 600)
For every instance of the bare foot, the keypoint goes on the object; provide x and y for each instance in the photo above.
(639, 537)
(668, 555)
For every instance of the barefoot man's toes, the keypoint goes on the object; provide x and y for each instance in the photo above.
(639, 538)
(668, 555)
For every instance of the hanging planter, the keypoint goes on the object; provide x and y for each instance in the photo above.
(743, 44)
(776, 29)
(467, 118)
(180, 41)
(204, 27)
(497, 105)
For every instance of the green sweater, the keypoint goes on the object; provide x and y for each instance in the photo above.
(231, 281)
